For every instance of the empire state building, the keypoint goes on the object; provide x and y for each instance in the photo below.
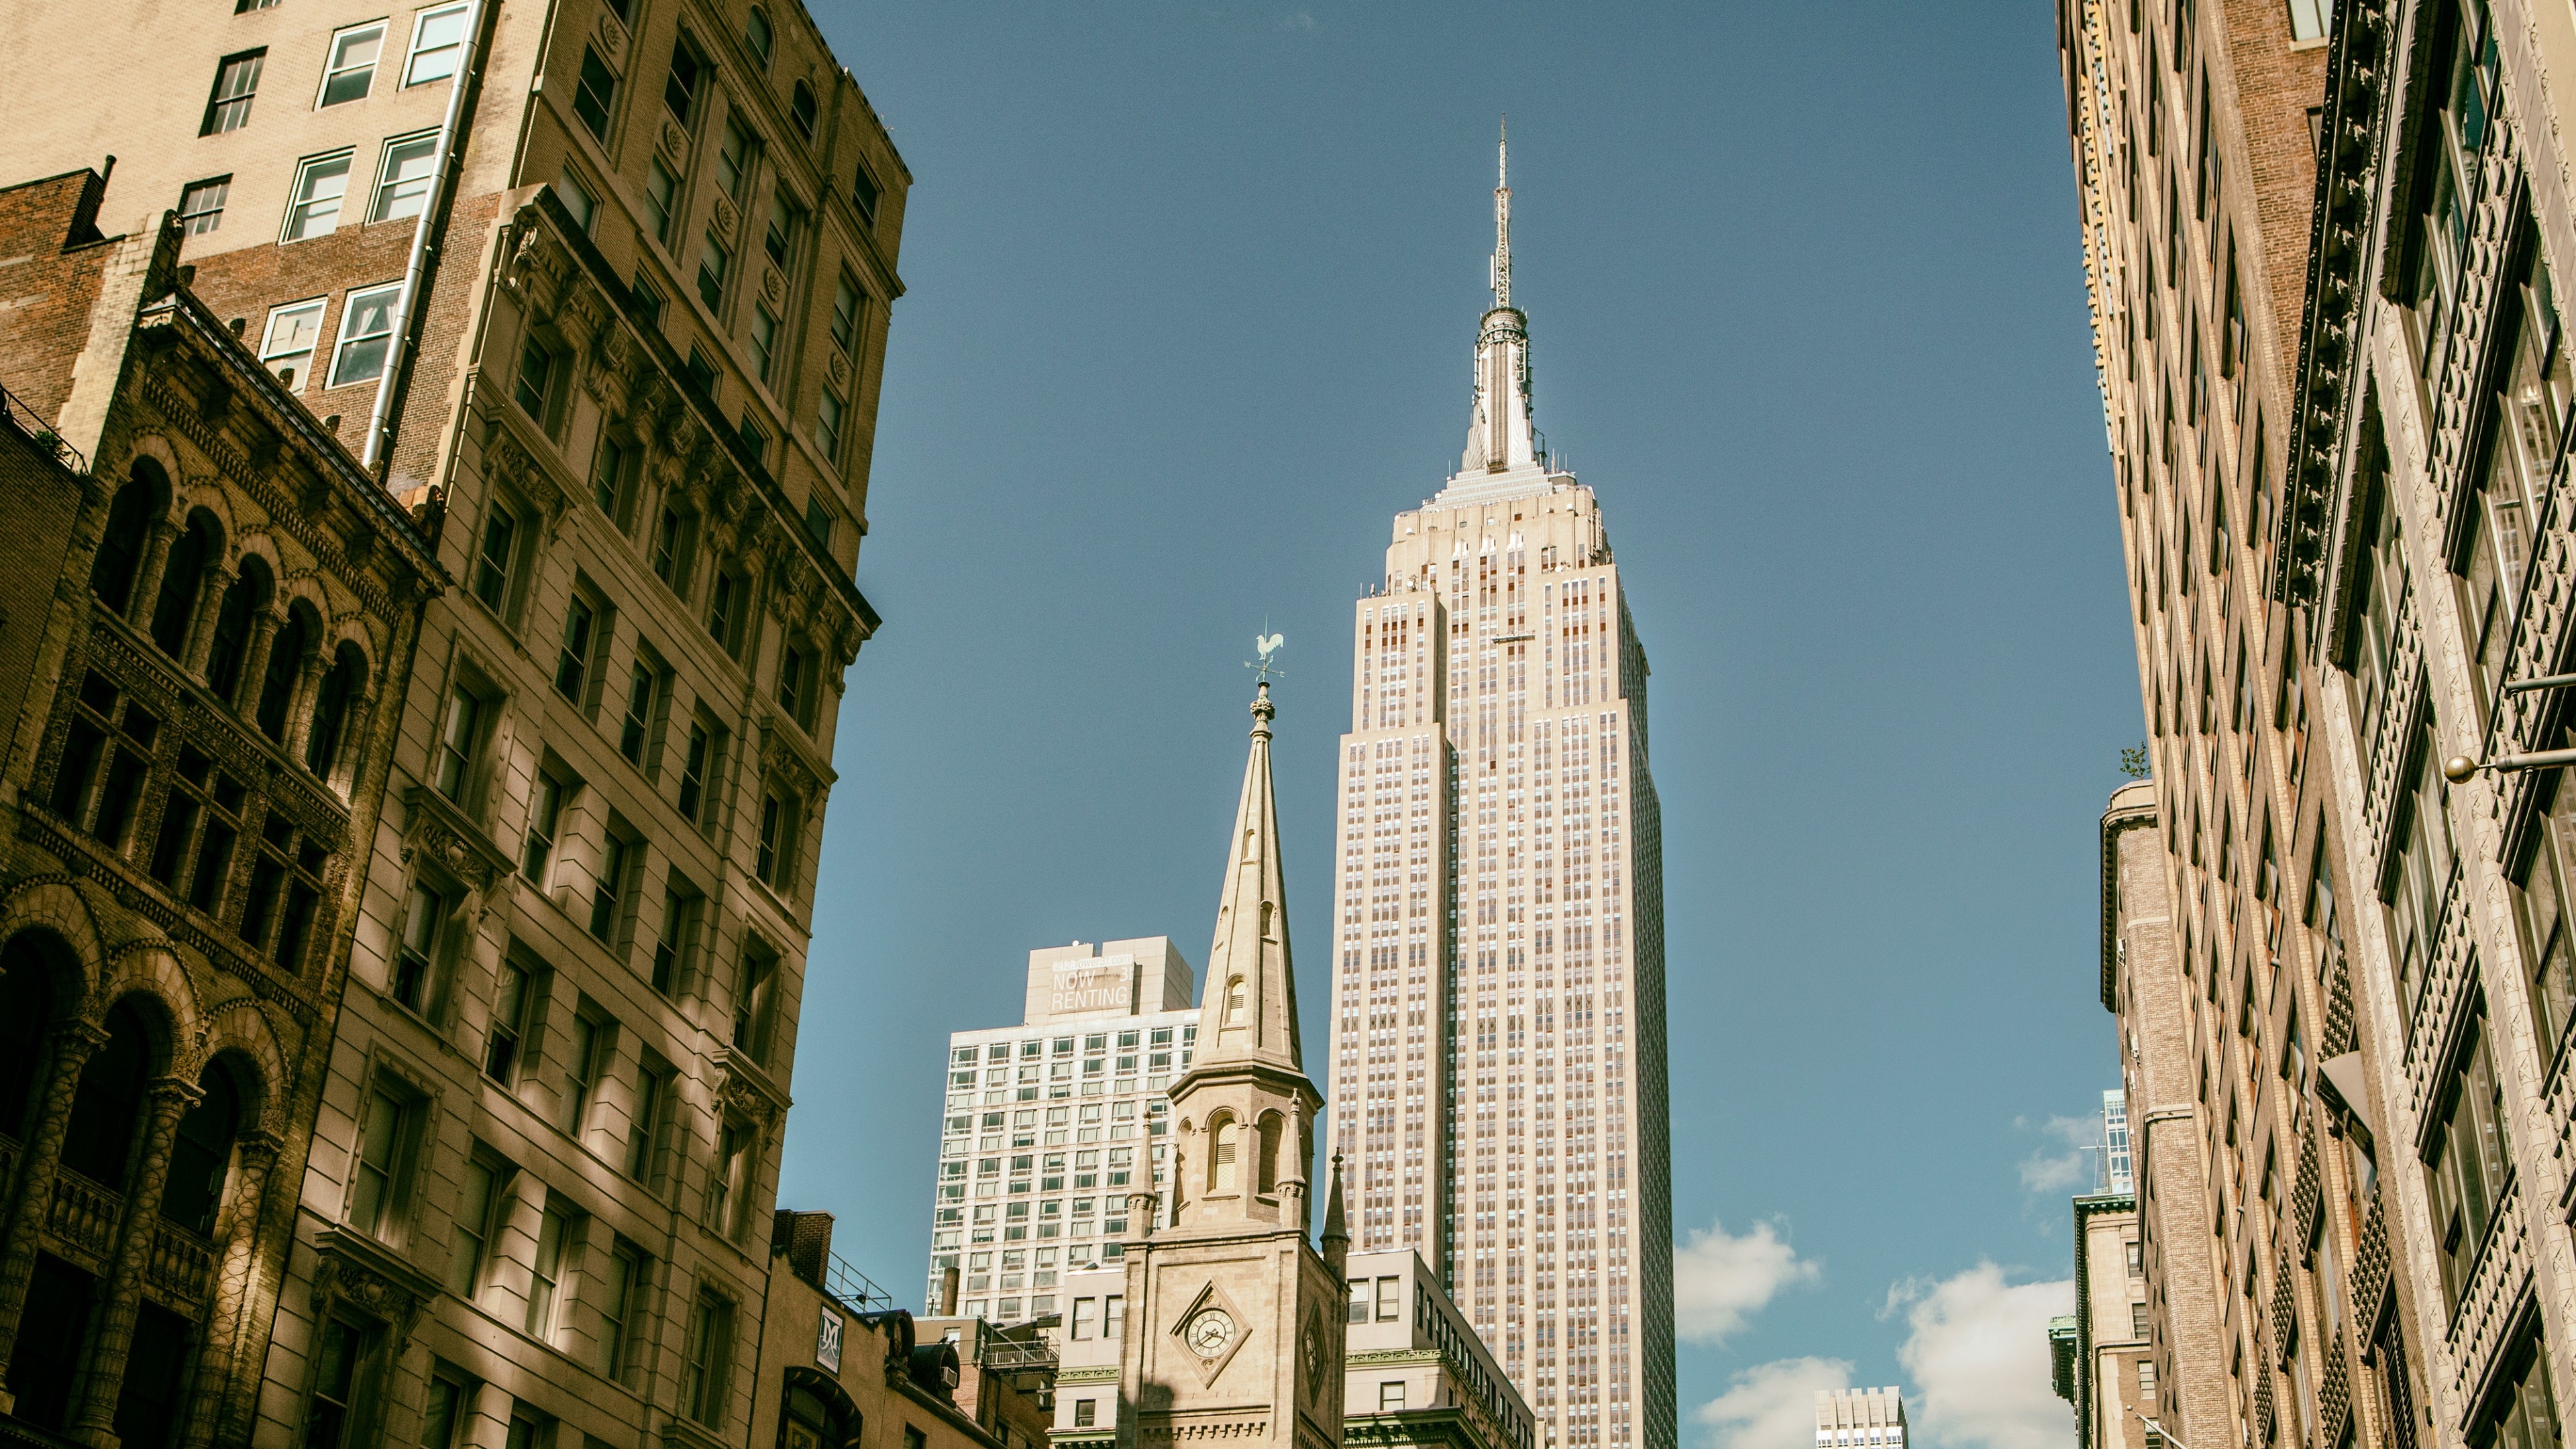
(1498, 985)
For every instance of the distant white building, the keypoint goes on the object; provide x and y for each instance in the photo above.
(1050, 1122)
(2116, 1174)
(1859, 1418)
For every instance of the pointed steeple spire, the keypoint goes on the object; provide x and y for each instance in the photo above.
(1502, 438)
(1335, 1241)
(1249, 1008)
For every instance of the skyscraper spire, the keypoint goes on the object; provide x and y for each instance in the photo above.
(1502, 264)
(1502, 439)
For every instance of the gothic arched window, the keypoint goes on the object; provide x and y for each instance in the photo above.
(1265, 1173)
(1225, 1138)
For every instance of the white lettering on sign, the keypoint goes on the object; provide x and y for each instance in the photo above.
(1103, 983)
(827, 1340)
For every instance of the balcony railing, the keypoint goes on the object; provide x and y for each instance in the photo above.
(25, 421)
(181, 1264)
(84, 1213)
(854, 1288)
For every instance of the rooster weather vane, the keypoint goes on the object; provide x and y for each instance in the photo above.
(1267, 645)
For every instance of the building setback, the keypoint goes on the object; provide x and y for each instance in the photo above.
(2319, 244)
(632, 394)
(1498, 992)
(1051, 1123)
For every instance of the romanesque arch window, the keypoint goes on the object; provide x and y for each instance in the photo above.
(129, 525)
(201, 1158)
(286, 653)
(101, 1133)
(26, 1009)
(183, 574)
(341, 686)
(230, 648)
(1234, 1003)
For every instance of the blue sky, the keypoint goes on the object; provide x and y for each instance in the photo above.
(1193, 295)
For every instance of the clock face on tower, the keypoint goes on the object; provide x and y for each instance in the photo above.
(1314, 1349)
(1209, 1333)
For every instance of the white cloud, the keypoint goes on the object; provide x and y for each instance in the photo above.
(1720, 1279)
(1772, 1405)
(1978, 1355)
(2077, 1168)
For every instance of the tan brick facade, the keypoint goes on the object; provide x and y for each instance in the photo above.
(2343, 539)
(2223, 949)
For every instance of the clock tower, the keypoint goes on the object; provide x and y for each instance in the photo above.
(1234, 1320)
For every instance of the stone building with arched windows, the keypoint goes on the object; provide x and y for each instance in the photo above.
(203, 602)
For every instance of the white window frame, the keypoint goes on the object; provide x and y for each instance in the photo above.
(271, 355)
(454, 49)
(341, 345)
(301, 199)
(381, 195)
(334, 66)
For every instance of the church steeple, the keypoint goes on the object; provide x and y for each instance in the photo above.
(1502, 436)
(1249, 1010)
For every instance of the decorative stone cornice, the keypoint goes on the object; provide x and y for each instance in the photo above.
(745, 1090)
(434, 828)
(356, 1273)
(1382, 1356)
(2339, 228)
(792, 762)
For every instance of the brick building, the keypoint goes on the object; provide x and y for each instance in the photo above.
(2318, 244)
(207, 620)
(618, 272)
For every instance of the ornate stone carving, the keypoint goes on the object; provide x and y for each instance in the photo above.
(773, 287)
(839, 367)
(354, 1275)
(745, 1091)
(435, 830)
(505, 457)
(727, 217)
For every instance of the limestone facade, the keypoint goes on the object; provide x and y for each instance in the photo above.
(211, 616)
